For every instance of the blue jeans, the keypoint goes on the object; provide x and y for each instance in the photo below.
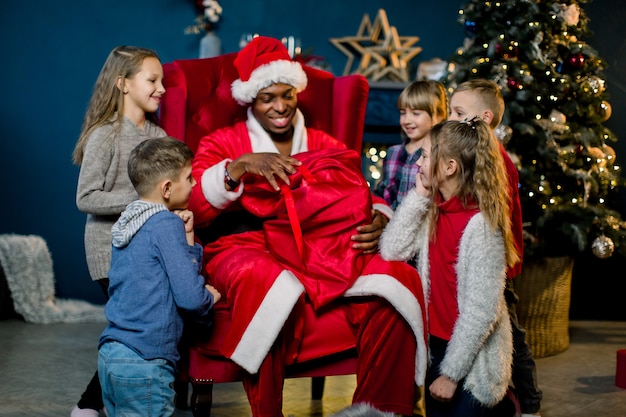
(133, 386)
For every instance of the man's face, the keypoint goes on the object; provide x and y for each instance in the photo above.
(275, 107)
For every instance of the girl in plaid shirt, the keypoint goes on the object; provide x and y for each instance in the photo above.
(422, 105)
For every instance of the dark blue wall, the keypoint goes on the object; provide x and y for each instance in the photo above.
(53, 51)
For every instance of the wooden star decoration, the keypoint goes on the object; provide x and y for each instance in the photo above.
(350, 44)
(399, 51)
(384, 54)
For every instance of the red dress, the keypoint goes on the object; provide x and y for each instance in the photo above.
(299, 270)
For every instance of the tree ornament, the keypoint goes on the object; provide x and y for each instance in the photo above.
(535, 49)
(598, 155)
(603, 247)
(557, 117)
(554, 123)
(569, 14)
(503, 133)
(470, 28)
(576, 60)
(506, 52)
(514, 84)
(567, 153)
(559, 67)
(610, 154)
(604, 111)
(497, 49)
(593, 85)
(512, 51)
(499, 74)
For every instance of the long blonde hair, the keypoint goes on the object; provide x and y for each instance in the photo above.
(107, 98)
(482, 174)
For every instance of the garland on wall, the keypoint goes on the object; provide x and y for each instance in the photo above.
(209, 14)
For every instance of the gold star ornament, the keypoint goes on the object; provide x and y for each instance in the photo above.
(383, 53)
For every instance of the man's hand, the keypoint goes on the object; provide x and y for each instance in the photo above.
(272, 166)
(369, 235)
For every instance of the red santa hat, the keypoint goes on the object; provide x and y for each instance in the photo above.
(263, 62)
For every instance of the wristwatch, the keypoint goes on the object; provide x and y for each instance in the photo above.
(228, 180)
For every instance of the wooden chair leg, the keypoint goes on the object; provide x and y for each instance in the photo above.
(182, 392)
(317, 387)
(201, 399)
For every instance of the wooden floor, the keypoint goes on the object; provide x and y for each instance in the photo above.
(44, 369)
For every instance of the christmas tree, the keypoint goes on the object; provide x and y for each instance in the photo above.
(556, 103)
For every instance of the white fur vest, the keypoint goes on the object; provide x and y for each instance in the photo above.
(481, 347)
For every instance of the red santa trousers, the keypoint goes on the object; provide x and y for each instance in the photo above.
(263, 275)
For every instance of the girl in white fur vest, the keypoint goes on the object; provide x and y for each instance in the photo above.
(455, 224)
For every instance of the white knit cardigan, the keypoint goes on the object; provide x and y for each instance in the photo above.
(481, 347)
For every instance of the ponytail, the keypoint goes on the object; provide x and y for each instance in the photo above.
(482, 174)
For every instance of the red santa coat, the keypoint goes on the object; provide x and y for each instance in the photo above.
(264, 274)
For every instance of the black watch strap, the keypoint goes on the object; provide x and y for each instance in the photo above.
(228, 180)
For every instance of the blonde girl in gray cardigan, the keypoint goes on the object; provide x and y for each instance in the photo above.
(121, 114)
(455, 223)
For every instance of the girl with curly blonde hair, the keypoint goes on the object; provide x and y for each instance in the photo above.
(456, 223)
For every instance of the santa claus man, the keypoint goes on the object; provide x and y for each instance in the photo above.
(304, 234)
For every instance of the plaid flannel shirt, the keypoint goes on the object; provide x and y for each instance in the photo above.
(399, 171)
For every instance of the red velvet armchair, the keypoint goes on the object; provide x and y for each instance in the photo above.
(198, 101)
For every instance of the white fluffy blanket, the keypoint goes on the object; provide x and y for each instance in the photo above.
(27, 265)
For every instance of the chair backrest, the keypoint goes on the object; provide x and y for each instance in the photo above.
(198, 100)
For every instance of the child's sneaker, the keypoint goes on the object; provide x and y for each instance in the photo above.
(84, 412)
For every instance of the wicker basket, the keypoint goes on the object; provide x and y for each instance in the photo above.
(544, 290)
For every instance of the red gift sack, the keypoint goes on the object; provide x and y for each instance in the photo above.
(315, 217)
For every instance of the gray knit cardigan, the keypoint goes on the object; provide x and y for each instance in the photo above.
(104, 188)
(481, 347)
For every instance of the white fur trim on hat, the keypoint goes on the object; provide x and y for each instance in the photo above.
(280, 71)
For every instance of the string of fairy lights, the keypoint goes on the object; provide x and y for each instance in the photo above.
(373, 162)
